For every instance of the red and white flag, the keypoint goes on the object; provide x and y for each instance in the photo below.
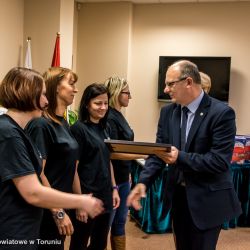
(56, 55)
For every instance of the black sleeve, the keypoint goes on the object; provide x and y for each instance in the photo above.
(41, 135)
(113, 130)
(15, 159)
(79, 134)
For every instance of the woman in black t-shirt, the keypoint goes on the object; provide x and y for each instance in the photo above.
(119, 93)
(22, 92)
(58, 147)
(95, 169)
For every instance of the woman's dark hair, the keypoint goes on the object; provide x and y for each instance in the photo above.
(21, 89)
(92, 91)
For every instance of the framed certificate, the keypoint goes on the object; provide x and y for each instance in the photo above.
(133, 147)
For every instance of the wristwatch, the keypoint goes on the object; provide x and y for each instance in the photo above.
(115, 187)
(59, 214)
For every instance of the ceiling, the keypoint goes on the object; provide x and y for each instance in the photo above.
(161, 1)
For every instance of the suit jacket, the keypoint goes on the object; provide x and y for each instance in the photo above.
(205, 163)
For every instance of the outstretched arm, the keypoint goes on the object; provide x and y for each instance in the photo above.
(38, 195)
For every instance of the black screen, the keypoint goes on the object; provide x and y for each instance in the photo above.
(218, 68)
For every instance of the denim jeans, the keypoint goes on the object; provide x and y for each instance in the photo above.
(119, 215)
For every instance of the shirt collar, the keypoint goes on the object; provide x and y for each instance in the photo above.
(193, 106)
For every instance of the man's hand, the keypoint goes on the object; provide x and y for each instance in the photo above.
(168, 157)
(64, 225)
(134, 198)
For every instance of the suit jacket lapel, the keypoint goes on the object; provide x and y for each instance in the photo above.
(200, 114)
(176, 120)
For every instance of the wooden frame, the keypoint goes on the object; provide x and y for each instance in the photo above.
(132, 147)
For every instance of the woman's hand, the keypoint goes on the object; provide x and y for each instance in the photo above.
(64, 225)
(116, 199)
(82, 215)
(91, 205)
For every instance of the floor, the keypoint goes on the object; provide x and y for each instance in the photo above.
(232, 239)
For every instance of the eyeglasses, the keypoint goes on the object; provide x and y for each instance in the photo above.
(126, 92)
(172, 84)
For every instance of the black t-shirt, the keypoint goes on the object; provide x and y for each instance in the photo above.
(120, 130)
(94, 161)
(59, 147)
(18, 157)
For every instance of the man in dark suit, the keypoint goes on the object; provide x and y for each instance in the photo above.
(199, 187)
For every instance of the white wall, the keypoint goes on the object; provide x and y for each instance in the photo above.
(11, 30)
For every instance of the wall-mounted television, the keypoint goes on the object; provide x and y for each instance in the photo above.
(218, 68)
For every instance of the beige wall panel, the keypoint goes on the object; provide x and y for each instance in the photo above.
(127, 40)
(11, 29)
(41, 23)
(75, 36)
(216, 29)
(103, 42)
(66, 30)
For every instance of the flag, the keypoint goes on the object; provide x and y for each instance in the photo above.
(56, 55)
(28, 60)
